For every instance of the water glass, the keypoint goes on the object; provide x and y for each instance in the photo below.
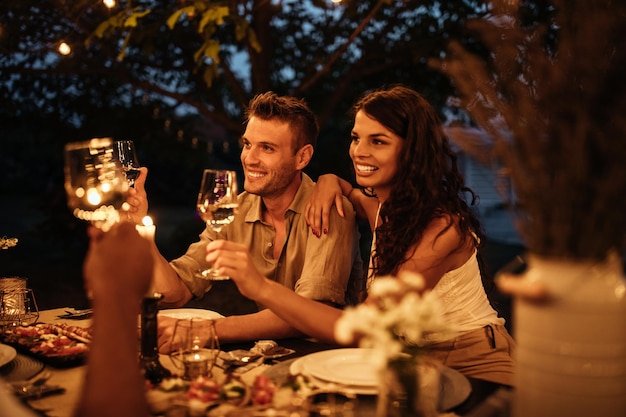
(195, 347)
(18, 307)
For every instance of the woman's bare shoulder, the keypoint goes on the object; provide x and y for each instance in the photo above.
(366, 207)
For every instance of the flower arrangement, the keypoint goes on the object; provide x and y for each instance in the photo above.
(398, 323)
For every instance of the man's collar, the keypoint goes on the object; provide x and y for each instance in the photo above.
(297, 204)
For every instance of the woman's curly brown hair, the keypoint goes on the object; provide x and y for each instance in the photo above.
(428, 184)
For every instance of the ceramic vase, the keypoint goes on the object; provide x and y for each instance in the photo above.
(571, 348)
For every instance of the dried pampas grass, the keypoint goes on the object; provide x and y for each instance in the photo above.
(553, 97)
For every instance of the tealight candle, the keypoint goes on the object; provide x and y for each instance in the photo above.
(148, 229)
(196, 364)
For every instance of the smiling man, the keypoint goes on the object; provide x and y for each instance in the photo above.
(278, 143)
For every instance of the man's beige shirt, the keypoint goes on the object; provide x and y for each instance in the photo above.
(316, 268)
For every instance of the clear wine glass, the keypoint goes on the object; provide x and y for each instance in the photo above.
(127, 155)
(95, 183)
(194, 347)
(217, 205)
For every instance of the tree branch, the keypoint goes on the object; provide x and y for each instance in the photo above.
(339, 52)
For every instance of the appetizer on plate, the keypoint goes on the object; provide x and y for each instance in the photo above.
(55, 344)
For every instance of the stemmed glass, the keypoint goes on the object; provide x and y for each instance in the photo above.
(217, 205)
(195, 347)
(95, 183)
(127, 155)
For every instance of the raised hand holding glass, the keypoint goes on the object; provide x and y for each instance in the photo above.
(127, 155)
(217, 205)
(94, 182)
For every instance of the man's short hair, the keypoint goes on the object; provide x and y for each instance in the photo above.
(294, 111)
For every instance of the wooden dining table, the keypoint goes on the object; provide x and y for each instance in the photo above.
(485, 400)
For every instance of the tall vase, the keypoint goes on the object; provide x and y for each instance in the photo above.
(571, 349)
(408, 387)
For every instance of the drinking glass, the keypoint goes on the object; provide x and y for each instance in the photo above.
(18, 307)
(217, 205)
(95, 183)
(127, 155)
(189, 350)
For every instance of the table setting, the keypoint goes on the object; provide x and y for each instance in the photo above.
(262, 378)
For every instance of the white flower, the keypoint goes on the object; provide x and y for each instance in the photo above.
(384, 287)
(413, 281)
(395, 320)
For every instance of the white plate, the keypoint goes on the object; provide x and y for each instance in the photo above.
(347, 359)
(342, 366)
(190, 313)
(7, 354)
(351, 369)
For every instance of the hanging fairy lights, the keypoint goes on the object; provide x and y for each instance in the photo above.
(64, 48)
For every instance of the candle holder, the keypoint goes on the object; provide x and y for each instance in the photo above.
(196, 347)
(18, 307)
(152, 368)
(196, 363)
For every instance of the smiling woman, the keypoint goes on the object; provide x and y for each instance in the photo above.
(374, 151)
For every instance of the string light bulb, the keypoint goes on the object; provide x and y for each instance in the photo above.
(109, 3)
(64, 48)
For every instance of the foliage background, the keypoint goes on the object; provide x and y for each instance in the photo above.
(174, 76)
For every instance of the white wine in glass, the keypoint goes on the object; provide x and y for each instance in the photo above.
(217, 205)
(95, 183)
(127, 155)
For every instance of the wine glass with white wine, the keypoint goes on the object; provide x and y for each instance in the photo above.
(95, 183)
(217, 205)
(127, 155)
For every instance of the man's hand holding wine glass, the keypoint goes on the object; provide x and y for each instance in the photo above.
(137, 198)
(217, 205)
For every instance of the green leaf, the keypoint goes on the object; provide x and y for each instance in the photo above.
(122, 54)
(102, 27)
(210, 49)
(132, 19)
(171, 21)
(209, 75)
(213, 15)
(253, 41)
(241, 28)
